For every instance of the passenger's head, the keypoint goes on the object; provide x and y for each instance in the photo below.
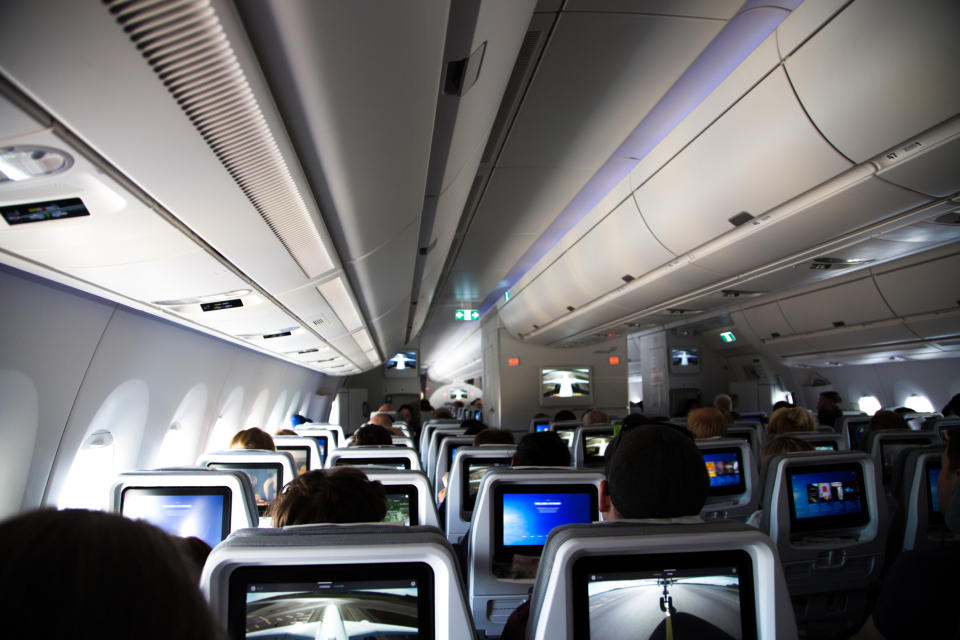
(425, 405)
(296, 419)
(371, 434)
(949, 469)
(781, 404)
(783, 444)
(386, 406)
(887, 420)
(382, 419)
(97, 575)
(544, 449)
(285, 432)
(829, 400)
(707, 423)
(442, 414)
(493, 436)
(405, 413)
(339, 495)
(473, 427)
(594, 416)
(253, 438)
(791, 419)
(723, 402)
(565, 415)
(952, 408)
(653, 471)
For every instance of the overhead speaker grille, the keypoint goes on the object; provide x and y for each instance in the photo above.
(184, 43)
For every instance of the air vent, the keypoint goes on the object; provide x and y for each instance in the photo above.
(303, 351)
(185, 44)
(948, 218)
(516, 86)
(627, 278)
(741, 218)
(775, 335)
(279, 334)
(569, 308)
(462, 74)
(839, 323)
(222, 304)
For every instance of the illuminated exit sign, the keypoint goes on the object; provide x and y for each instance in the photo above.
(727, 336)
(466, 314)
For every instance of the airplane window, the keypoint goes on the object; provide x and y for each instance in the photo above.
(920, 404)
(173, 448)
(88, 481)
(335, 411)
(869, 405)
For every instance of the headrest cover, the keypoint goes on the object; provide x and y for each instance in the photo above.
(654, 471)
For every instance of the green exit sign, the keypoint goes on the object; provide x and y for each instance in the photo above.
(466, 314)
(727, 336)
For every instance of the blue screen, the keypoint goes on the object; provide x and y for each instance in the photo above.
(932, 476)
(529, 517)
(543, 427)
(827, 493)
(184, 516)
(722, 468)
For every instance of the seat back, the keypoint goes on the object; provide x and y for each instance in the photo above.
(445, 459)
(433, 448)
(408, 494)
(326, 439)
(854, 426)
(940, 424)
(428, 429)
(884, 445)
(631, 578)
(827, 514)
(468, 468)
(590, 445)
(821, 440)
(305, 452)
(186, 501)
(268, 471)
(516, 508)
(923, 521)
(540, 424)
(402, 441)
(335, 429)
(337, 581)
(374, 455)
(734, 479)
(747, 433)
(567, 429)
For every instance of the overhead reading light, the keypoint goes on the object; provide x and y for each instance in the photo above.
(23, 163)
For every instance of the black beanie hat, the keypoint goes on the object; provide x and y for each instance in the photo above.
(654, 471)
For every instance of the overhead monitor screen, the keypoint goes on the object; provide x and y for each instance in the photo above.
(725, 471)
(524, 515)
(301, 457)
(402, 365)
(332, 601)
(392, 463)
(472, 470)
(402, 504)
(567, 386)
(827, 497)
(684, 360)
(691, 595)
(266, 478)
(201, 512)
(595, 448)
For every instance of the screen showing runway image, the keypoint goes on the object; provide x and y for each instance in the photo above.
(476, 467)
(827, 497)
(265, 478)
(724, 471)
(665, 603)
(390, 463)
(337, 610)
(572, 382)
(595, 446)
(529, 517)
(203, 512)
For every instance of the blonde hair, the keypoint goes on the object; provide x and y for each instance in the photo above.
(253, 438)
(784, 444)
(790, 419)
(707, 423)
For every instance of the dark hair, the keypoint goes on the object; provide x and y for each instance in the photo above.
(425, 405)
(780, 404)
(371, 434)
(253, 438)
(473, 427)
(341, 494)
(953, 450)
(784, 444)
(442, 414)
(97, 575)
(952, 408)
(832, 396)
(887, 420)
(493, 436)
(285, 432)
(544, 449)
(564, 415)
(196, 551)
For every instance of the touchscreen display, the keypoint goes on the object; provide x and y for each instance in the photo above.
(301, 458)
(401, 504)
(595, 447)
(827, 497)
(724, 469)
(475, 468)
(202, 512)
(264, 476)
(529, 517)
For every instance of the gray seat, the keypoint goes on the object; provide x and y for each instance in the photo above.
(853, 426)
(567, 429)
(326, 439)
(621, 567)
(884, 445)
(734, 479)
(468, 467)
(748, 433)
(827, 514)
(305, 451)
(432, 452)
(444, 458)
(428, 429)
(335, 429)
(268, 471)
(412, 485)
(589, 445)
(393, 580)
(498, 581)
(238, 509)
(940, 424)
(923, 523)
(822, 440)
(374, 455)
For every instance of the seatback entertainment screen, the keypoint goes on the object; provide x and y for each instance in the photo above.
(266, 478)
(725, 471)
(202, 512)
(827, 497)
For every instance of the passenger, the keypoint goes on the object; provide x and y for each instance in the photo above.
(285, 432)
(565, 415)
(788, 420)
(707, 423)
(918, 597)
(828, 408)
(297, 419)
(887, 420)
(253, 438)
(780, 404)
(442, 414)
(196, 551)
(473, 427)
(88, 574)
(652, 472)
(338, 495)
(493, 436)
(544, 449)
(783, 444)
(371, 434)
(691, 405)
(386, 407)
(405, 413)
(385, 421)
(594, 416)
(952, 408)
(724, 404)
